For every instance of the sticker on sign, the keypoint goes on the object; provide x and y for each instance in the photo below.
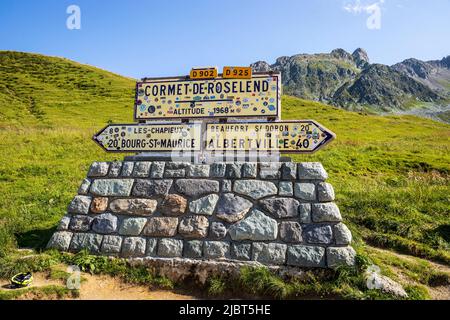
(296, 136)
(182, 98)
(149, 137)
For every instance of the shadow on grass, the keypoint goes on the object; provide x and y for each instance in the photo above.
(35, 239)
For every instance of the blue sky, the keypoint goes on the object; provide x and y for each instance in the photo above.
(150, 38)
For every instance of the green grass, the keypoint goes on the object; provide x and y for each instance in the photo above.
(390, 173)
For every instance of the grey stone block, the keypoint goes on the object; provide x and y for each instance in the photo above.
(151, 188)
(317, 234)
(269, 170)
(114, 169)
(233, 170)
(63, 223)
(306, 256)
(280, 207)
(89, 241)
(175, 173)
(325, 192)
(197, 171)
(232, 208)
(111, 244)
(133, 247)
(289, 171)
(170, 247)
(193, 249)
(325, 212)
(216, 249)
(98, 169)
(80, 205)
(84, 187)
(132, 226)
(241, 251)
(305, 191)
(196, 187)
(205, 205)
(60, 240)
(111, 187)
(105, 223)
(249, 170)
(142, 169)
(152, 247)
(311, 171)
(290, 231)
(217, 230)
(256, 226)
(304, 210)
(269, 253)
(342, 234)
(227, 186)
(338, 256)
(285, 188)
(157, 170)
(80, 223)
(255, 189)
(127, 169)
(217, 170)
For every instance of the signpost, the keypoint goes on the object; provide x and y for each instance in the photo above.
(298, 136)
(149, 137)
(181, 98)
(165, 108)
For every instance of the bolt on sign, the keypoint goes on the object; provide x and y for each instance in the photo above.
(149, 137)
(297, 136)
(182, 98)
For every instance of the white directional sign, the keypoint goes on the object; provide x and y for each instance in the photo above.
(296, 136)
(149, 137)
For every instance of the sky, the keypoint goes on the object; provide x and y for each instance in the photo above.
(149, 38)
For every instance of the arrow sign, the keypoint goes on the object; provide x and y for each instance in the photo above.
(149, 137)
(296, 136)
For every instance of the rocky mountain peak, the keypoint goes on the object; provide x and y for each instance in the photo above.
(341, 54)
(260, 66)
(361, 58)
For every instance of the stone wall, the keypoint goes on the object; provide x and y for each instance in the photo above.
(269, 213)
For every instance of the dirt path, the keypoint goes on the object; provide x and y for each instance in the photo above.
(109, 288)
(103, 287)
(436, 293)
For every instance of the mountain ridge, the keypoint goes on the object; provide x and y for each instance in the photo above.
(351, 82)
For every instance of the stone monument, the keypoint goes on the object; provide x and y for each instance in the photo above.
(171, 211)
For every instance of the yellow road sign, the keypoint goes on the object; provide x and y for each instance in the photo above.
(149, 137)
(181, 98)
(203, 73)
(297, 136)
(237, 72)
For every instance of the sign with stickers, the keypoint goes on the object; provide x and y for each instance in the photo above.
(182, 98)
(149, 137)
(297, 136)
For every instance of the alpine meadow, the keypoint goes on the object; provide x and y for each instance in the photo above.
(391, 174)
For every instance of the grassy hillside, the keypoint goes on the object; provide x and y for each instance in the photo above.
(391, 173)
